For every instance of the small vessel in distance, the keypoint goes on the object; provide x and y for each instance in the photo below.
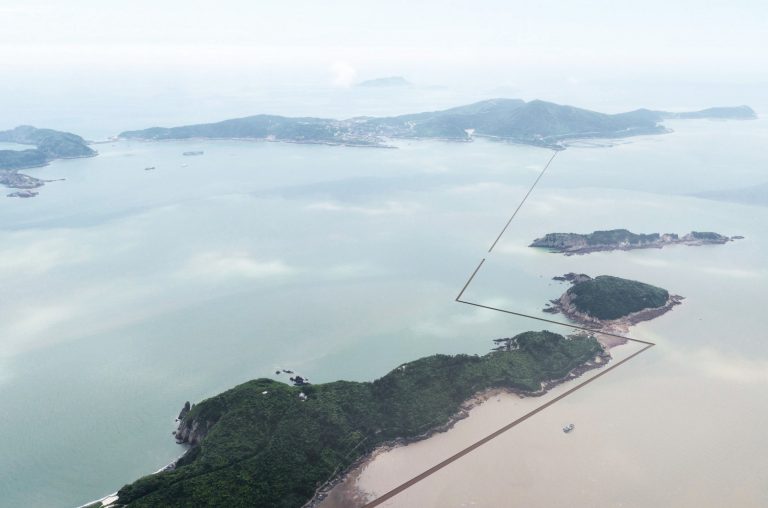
(150, 168)
(568, 428)
(193, 152)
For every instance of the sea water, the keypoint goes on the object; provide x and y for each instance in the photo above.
(683, 424)
(127, 291)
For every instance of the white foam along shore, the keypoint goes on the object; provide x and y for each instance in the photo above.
(110, 499)
(104, 501)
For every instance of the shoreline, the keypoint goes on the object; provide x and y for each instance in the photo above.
(564, 305)
(611, 248)
(112, 498)
(13, 179)
(255, 140)
(351, 473)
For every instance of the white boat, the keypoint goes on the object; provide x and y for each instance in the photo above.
(568, 428)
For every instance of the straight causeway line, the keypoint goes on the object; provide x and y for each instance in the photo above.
(469, 449)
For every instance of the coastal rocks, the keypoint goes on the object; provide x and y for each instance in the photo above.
(184, 411)
(299, 381)
(567, 306)
(572, 277)
(17, 180)
(22, 194)
(191, 432)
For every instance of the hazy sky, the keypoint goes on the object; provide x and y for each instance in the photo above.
(558, 50)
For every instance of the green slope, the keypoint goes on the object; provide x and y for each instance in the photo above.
(607, 297)
(275, 450)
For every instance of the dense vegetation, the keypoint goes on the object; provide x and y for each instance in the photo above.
(618, 236)
(535, 122)
(273, 449)
(19, 159)
(705, 235)
(49, 145)
(612, 238)
(606, 297)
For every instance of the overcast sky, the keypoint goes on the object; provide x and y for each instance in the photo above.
(528, 48)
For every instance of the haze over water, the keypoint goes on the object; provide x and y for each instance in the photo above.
(128, 292)
(681, 424)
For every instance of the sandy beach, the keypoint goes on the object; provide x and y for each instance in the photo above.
(388, 467)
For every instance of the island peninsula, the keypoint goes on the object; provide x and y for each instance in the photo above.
(265, 443)
(49, 145)
(537, 123)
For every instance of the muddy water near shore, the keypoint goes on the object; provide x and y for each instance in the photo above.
(682, 424)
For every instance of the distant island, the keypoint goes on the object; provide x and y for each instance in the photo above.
(391, 81)
(49, 145)
(536, 123)
(611, 303)
(622, 239)
(265, 443)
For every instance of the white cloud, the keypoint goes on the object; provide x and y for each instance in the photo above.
(729, 367)
(389, 208)
(28, 255)
(479, 188)
(343, 74)
(233, 264)
(36, 321)
(351, 270)
(733, 272)
(655, 263)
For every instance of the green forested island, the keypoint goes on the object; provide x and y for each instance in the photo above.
(49, 145)
(535, 123)
(622, 239)
(606, 298)
(265, 443)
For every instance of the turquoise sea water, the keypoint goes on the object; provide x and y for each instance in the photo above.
(127, 292)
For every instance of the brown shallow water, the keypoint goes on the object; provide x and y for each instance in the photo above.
(389, 467)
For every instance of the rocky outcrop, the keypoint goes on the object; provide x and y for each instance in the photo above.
(184, 411)
(16, 180)
(572, 277)
(192, 432)
(22, 194)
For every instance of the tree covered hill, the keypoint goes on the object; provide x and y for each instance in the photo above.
(49, 145)
(606, 297)
(536, 123)
(261, 444)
